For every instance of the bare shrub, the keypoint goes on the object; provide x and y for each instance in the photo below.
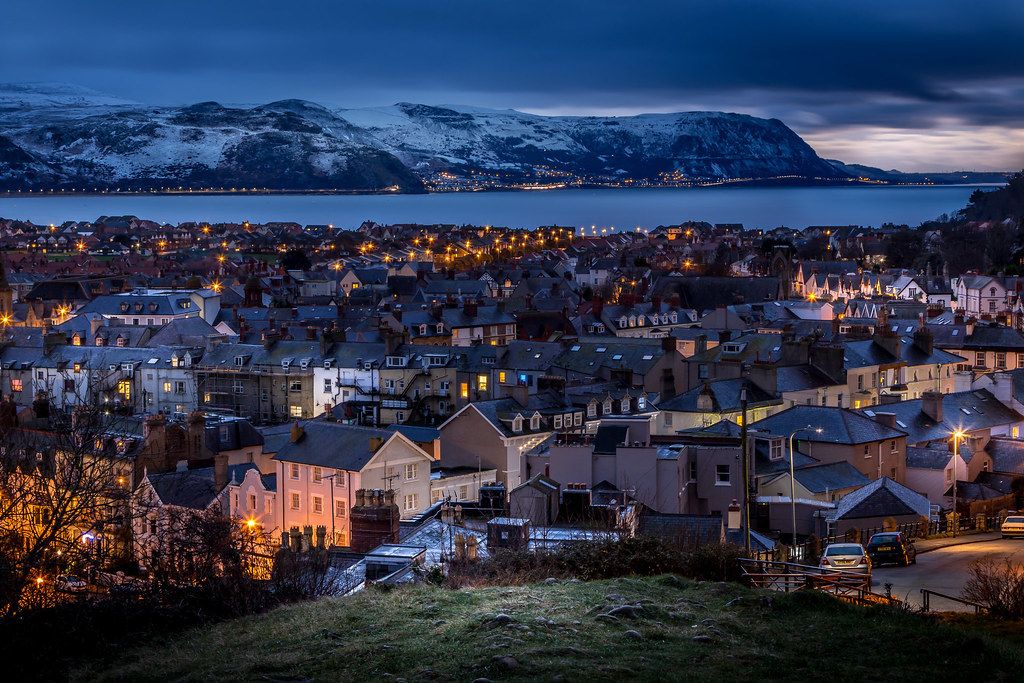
(998, 585)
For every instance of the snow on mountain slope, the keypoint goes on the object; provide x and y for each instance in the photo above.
(698, 144)
(204, 145)
(57, 136)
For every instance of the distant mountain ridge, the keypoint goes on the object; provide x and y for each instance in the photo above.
(62, 137)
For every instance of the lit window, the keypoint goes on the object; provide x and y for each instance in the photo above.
(295, 411)
(16, 385)
(501, 376)
(124, 387)
(464, 390)
(481, 382)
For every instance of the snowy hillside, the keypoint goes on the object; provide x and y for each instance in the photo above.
(63, 137)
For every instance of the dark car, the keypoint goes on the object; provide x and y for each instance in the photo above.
(892, 546)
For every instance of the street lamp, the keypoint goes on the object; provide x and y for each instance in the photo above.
(957, 436)
(792, 476)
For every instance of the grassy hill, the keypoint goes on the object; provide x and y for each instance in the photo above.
(662, 628)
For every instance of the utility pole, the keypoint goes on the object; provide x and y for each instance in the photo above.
(745, 454)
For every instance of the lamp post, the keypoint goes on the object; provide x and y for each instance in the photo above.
(957, 436)
(792, 476)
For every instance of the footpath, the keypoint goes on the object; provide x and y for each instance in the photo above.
(927, 545)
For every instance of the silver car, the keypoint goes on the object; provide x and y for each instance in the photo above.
(847, 557)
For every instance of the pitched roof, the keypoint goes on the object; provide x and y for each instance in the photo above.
(881, 498)
(965, 410)
(837, 425)
(334, 445)
(830, 477)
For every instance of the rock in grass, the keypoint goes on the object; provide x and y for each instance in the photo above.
(550, 580)
(702, 639)
(505, 662)
(607, 618)
(625, 611)
(499, 620)
(634, 634)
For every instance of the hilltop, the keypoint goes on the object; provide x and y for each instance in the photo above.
(58, 136)
(659, 628)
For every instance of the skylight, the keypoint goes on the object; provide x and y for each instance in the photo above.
(965, 411)
(901, 424)
(600, 349)
(869, 413)
(617, 356)
(575, 348)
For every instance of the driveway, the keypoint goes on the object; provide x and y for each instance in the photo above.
(943, 570)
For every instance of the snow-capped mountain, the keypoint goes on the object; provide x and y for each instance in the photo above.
(55, 136)
(696, 144)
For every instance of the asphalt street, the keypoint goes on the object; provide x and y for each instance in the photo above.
(944, 570)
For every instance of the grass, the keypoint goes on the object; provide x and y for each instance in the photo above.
(684, 630)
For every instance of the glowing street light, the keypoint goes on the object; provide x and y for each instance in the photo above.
(958, 436)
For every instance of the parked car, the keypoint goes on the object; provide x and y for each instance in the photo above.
(892, 546)
(1012, 527)
(71, 584)
(848, 557)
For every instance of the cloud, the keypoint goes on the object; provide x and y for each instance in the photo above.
(822, 67)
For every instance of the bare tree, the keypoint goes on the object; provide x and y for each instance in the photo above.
(64, 488)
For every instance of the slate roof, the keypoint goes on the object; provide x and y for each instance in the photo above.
(722, 428)
(881, 498)
(725, 396)
(1007, 455)
(184, 332)
(987, 337)
(830, 477)
(966, 410)
(416, 434)
(331, 444)
(838, 425)
(928, 458)
(864, 353)
(685, 530)
(192, 488)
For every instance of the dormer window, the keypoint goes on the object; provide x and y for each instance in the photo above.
(423, 329)
(775, 449)
(535, 423)
(592, 409)
(673, 317)
(632, 321)
(187, 360)
(623, 321)
(440, 328)
(624, 406)
(640, 321)
(124, 307)
(641, 403)
(517, 424)
(608, 407)
(120, 340)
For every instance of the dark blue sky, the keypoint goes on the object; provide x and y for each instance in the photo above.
(912, 84)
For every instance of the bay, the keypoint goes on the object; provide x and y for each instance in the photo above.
(624, 209)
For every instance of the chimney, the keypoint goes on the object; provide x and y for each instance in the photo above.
(520, 392)
(795, 352)
(924, 339)
(958, 317)
(374, 520)
(734, 519)
(888, 340)
(830, 360)
(597, 307)
(931, 405)
(297, 433)
(310, 333)
(765, 376)
(469, 308)
(220, 471)
(656, 304)
(668, 344)
(888, 419)
(971, 322)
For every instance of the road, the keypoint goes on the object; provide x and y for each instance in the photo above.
(944, 570)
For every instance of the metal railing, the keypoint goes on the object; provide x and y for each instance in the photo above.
(926, 596)
(789, 577)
